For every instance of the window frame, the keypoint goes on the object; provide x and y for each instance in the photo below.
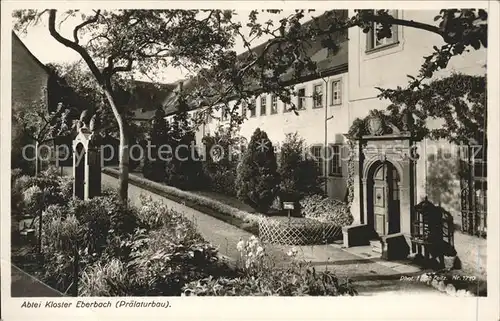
(315, 100)
(301, 100)
(224, 114)
(263, 98)
(319, 160)
(334, 102)
(244, 108)
(331, 171)
(274, 102)
(371, 37)
(253, 111)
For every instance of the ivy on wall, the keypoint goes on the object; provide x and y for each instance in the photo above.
(350, 174)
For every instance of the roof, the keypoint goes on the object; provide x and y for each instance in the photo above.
(146, 97)
(15, 38)
(327, 64)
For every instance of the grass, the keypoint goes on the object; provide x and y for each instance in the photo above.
(204, 203)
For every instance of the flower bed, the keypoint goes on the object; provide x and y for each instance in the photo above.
(297, 231)
(154, 251)
(259, 275)
(244, 220)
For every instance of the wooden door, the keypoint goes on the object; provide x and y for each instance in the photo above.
(380, 206)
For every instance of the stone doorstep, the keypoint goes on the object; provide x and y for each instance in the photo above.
(396, 266)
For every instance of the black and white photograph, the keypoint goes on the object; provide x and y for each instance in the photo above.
(238, 150)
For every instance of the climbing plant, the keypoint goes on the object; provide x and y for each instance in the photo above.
(458, 101)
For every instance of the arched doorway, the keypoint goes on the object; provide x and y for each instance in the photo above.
(384, 199)
(80, 171)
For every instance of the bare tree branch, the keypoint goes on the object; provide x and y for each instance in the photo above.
(76, 47)
(85, 23)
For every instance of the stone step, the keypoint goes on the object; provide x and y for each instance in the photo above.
(376, 246)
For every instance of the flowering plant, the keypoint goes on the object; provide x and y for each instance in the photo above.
(251, 255)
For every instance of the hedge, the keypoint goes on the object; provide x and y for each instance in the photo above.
(244, 220)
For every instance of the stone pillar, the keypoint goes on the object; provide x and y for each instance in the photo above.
(357, 202)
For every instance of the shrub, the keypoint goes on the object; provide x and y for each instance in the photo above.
(33, 200)
(60, 235)
(105, 217)
(299, 176)
(260, 276)
(209, 205)
(57, 189)
(66, 188)
(325, 209)
(258, 179)
(15, 174)
(221, 160)
(101, 278)
(155, 169)
(222, 181)
(163, 259)
(184, 170)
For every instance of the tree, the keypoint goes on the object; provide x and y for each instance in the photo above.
(184, 170)
(300, 176)
(458, 101)
(155, 168)
(223, 151)
(43, 127)
(120, 42)
(258, 179)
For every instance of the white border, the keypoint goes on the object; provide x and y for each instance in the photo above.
(251, 308)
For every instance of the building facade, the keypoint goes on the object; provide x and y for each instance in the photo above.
(385, 207)
(30, 80)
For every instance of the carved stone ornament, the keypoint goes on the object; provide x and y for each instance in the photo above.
(375, 126)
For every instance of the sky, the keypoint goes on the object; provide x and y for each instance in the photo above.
(48, 50)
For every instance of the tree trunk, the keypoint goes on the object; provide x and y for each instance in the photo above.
(124, 153)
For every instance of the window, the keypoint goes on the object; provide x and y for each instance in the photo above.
(318, 96)
(334, 160)
(252, 108)
(373, 43)
(274, 104)
(301, 102)
(244, 109)
(317, 155)
(286, 107)
(263, 105)
(336, 93)
(224, 114)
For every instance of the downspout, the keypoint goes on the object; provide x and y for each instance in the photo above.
(325, 165)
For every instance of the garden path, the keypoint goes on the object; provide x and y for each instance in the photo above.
(25, 285)
(220, 234)
(371, 277)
